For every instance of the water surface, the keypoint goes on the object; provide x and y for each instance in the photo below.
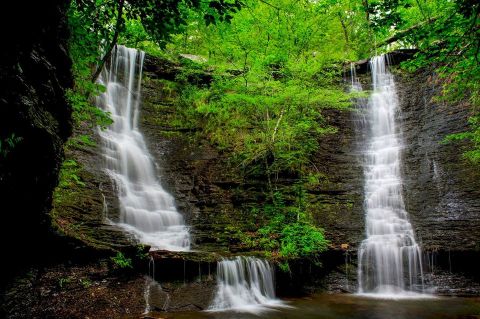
(330, 306)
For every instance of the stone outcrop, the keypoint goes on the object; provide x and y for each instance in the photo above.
(82, 214)
(339, 199)
(35, 121)
(441, 188)
(214, 196)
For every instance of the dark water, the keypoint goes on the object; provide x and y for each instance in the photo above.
(325, 306)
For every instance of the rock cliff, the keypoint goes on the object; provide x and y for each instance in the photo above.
(212, 193)
(35, 121)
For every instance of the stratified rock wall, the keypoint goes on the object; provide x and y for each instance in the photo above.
(441, 188)
(35, 121)
(339, 199)
(214, 196)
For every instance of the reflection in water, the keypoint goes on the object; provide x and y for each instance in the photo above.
(325, 306)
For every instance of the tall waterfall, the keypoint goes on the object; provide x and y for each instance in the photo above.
(244, 284)
(389, 258)
(147, 210)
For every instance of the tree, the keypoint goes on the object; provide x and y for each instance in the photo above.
(160, 18)
(447, 37)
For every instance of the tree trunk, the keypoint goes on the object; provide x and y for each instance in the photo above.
(112, 43)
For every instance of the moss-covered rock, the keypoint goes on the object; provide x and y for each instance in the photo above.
(85, 202)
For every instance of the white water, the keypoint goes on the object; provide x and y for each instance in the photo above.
(390, 264)
(147, 210)
(244, 284)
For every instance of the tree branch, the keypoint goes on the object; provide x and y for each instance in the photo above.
(403, 33)
(277, 125)
(118, 26)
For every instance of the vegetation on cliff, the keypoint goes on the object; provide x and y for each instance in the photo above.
(273, 68)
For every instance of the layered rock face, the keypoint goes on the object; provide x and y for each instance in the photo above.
(35, 121)
(441, 188)
(213, 194)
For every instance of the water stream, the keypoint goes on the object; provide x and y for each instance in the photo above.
(390, 263)
(148, 212)
(244, 284)
(344, 306)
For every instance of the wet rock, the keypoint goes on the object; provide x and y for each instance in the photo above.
(441, 188)
(213, 194)
(183, 266)
(157, 67)
(339, 198)
(395, 58)
(335, 271)
(83, 215)
(160, 68)
(80, 291)
(188, 296)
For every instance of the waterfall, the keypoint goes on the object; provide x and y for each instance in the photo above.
(244, 284)
(390, 261)
(147, 211)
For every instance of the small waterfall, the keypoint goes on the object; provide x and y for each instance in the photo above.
(149, 282)
(244, 284)
(147, 210)
(390, 261)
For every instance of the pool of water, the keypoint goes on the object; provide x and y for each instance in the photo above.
(328, 306)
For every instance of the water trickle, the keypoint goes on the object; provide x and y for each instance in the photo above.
(150, 284)
(244, 284)
(105, 208)
(389, 258)
(147, 210)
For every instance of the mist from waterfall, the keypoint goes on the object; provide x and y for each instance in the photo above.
(389, 259)
(147, 210)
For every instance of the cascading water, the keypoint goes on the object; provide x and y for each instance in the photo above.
(244, 284)
(147, 210)
(389, 258)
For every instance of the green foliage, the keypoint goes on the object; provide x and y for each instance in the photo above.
(473, 136)
(283, 39)
(85, 282)
(288, 232)
(276, 69)
(64, 281)
(8, 144)
(284, 266)
(302, 240)
(142, 252)
(446, 34)
(68, 175)
(96, 26)
(121, 262)
(80, 141)
(271, 127)
(146, 20)
(84, 51)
